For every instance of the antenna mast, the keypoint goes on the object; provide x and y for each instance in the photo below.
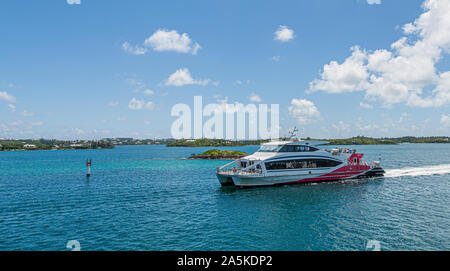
(293, 133)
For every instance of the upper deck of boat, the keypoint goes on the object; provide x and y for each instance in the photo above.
(296, 142)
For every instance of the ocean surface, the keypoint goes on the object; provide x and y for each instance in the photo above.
(147, 198)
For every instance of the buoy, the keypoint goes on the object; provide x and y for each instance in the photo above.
(88, 164)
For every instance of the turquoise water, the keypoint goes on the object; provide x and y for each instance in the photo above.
(146, 198)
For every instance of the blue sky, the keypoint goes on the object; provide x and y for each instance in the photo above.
(104, 69)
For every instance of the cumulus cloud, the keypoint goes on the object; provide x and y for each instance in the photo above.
(74, 2)
(351, 75)
(135, 50)
(364, 105)
(7, 97)
(405, 73)
(255, 98)
(284, 34)
(136, 104)
(304, 111)
(183, 77)
(171, 40)
(113, 104)
(164, 40)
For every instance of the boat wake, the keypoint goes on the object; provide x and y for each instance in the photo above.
(418, 171)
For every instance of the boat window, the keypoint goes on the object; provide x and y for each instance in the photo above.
(269, 148)
(297, 148)
(301, 163)
(288, 148)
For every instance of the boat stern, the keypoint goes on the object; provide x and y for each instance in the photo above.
(374, 172)
(225, 179)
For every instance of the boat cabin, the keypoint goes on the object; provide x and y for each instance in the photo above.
(291, 146)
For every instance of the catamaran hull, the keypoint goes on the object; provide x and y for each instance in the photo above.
(225, 180)
(303, 177)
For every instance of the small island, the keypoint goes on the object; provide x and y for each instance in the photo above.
(219, 154)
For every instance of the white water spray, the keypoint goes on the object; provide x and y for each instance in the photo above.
(418, 171)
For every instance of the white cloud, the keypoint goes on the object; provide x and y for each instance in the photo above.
(284, 34)
(12, 108)
(404, 74)
(25, 113)
(164, 40)
(7, 97)
(121, 118)
(371, 2)
(364, 105)
(135, 50)
(183, 77)
(351, 75)
(148, 92)
(240, 82)
(139, 86)
(171, 40)
(149, 106)
(275, 58)
(255, 98)
(445, 120)
(72, 2)
(304, 111)
(113, 104)
(136, 104)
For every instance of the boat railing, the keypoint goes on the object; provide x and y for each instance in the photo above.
(233, 168)
(363, 163)
(254, 169)
(375, 164)
(229, 168)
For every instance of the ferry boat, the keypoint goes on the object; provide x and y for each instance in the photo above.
(296, 161)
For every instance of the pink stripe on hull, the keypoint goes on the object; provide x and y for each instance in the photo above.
(339, 174)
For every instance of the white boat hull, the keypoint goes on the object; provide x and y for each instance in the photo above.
(300, 176)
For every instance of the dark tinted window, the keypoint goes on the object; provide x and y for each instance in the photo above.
(297, 148)
(301, 163)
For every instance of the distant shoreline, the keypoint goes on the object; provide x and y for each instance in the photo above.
(203, 142)
(111, 143)
(32, 150)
